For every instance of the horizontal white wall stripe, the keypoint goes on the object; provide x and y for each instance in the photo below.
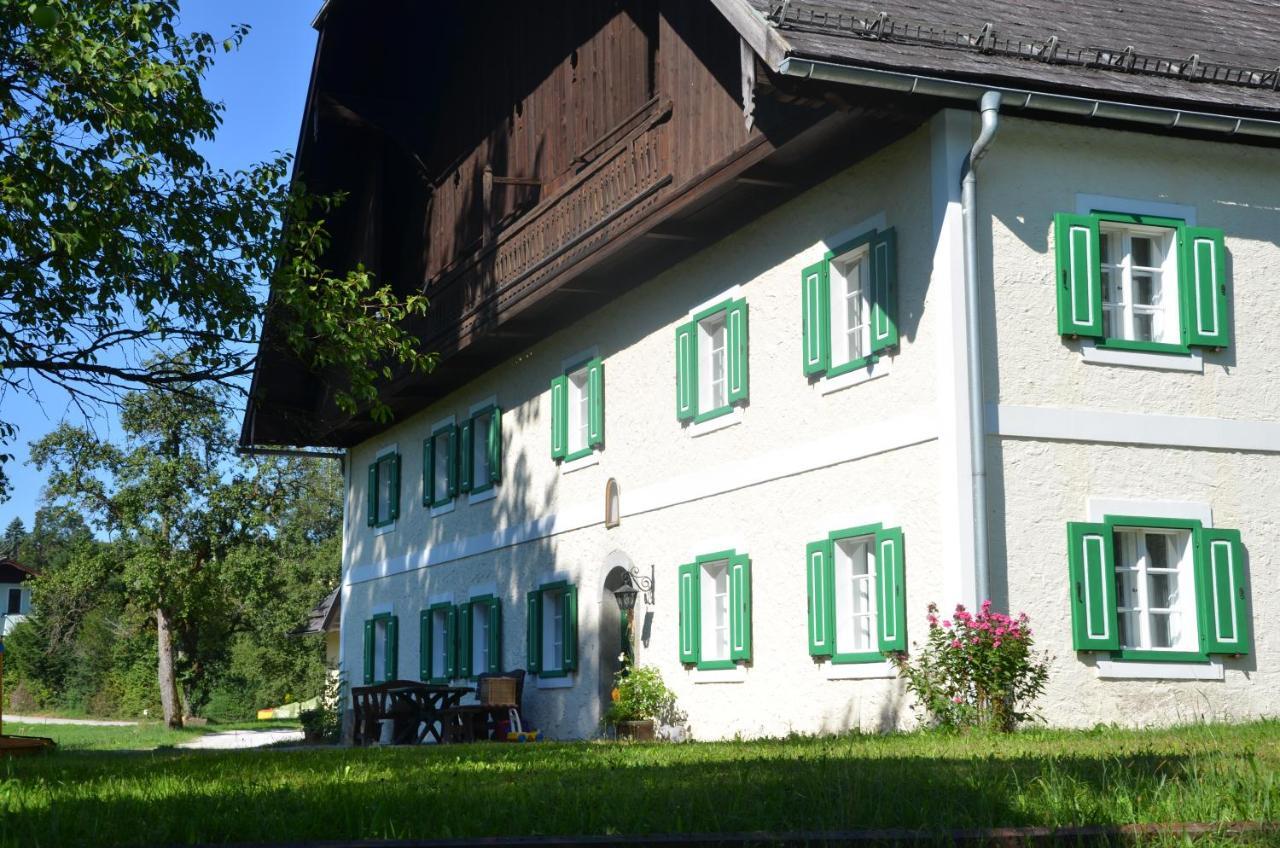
(1076, 424)
(847, 446)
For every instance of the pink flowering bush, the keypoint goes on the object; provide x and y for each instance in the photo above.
(976, 670)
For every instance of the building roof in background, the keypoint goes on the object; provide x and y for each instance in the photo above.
(1223, 56)
(12, 571)
(323, 616)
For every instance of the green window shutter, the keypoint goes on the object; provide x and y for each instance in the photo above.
(424, 644)
(465, 454)
(571, 628)
(495, 636)
(1079, 274)
(595, 403)
(815, 326)
(368, 652)
(1220, 566)
(818, 565)
(533, 630)
(1204, 301)
(686, 371)
(559, 417)
(739, 607)
(891, 590)
(736, 338)
(1091, 562)
(373, 494)
(464, 640)
(495, 446)
(452, 474)
(393, 648)
(451, 642)
(884, 290)
(690, 629)
(428, 470)
(395, 487)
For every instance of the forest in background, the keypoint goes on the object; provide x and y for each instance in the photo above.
(231, 552)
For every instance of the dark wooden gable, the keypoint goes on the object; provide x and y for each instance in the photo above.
(522, 163)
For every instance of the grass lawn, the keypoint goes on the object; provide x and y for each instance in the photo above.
(1056, 778)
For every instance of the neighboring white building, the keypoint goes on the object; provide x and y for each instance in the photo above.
(15, 594)
(778, 424)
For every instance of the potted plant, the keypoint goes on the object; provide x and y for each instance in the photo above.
(639, 700)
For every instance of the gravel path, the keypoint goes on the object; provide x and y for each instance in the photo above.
(87, 722)
(231, 739)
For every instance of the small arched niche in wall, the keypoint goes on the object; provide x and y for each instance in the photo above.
(612, 504)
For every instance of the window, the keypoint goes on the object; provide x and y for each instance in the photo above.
(552, 620)
(440, 466)
(481, 451)
(1141, 282)
(1157, 589)
(715, 610)
(857, 594)
(849, 304)
(577, 411)
(15, 602)
(381, 638)
(711, 362)
(437, 625)
(384, 490)
(480, 642)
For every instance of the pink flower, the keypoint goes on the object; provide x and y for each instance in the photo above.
(986, 605)
(955, 643)
(996, 643)
(957, 699)
(976, 640)
(946, 623)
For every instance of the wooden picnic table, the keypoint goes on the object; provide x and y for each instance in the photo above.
(418, 710)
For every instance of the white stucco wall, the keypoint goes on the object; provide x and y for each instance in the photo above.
(760, 486)
(801, 463)
(8, 622)
(1045, 477)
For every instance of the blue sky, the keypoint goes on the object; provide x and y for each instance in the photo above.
(262, 86)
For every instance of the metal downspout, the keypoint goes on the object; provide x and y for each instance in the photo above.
(973, 348)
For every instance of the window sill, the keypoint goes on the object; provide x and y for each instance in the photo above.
(380, 529)
(1137, 670)
(883, 669)
(560, 681)
(444, 508)
(737, 674)
(1191, 361)
(568, 466)
(874, 367)
(721, 421)
(480, 497)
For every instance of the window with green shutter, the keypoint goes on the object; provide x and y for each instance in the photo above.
(479, 636)
(384, 490)
(1141, 282)
(440, 466)
(438, 641)
(857, 594)
(712, 362)
(552, 629)
(480, 449)
(1157, 589)
(577, 411)
(715, 610)
(849, 305)
(381, 648)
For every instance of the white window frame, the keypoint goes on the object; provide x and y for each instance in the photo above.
(440, 642)
(716, 324)
(714, 603)
(445, 508)
(1121, 274)
(390, 526)
(1132, 544)
(845, 578)
(839, 268)
(553, 611)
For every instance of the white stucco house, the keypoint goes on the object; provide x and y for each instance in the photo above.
(753, 334)
(15, 594)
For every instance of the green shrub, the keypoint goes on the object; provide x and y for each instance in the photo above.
(640, 694)
(976, 670)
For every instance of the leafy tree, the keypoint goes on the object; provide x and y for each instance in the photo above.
(119, 242)
(14, 534)
(56, 536)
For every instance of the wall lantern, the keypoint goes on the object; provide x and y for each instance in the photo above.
(632, 585)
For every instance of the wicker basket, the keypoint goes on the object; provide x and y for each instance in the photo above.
(497, 690)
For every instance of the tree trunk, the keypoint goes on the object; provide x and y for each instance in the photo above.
(168, 682)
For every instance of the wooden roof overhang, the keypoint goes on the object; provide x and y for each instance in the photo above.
(620, 221)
